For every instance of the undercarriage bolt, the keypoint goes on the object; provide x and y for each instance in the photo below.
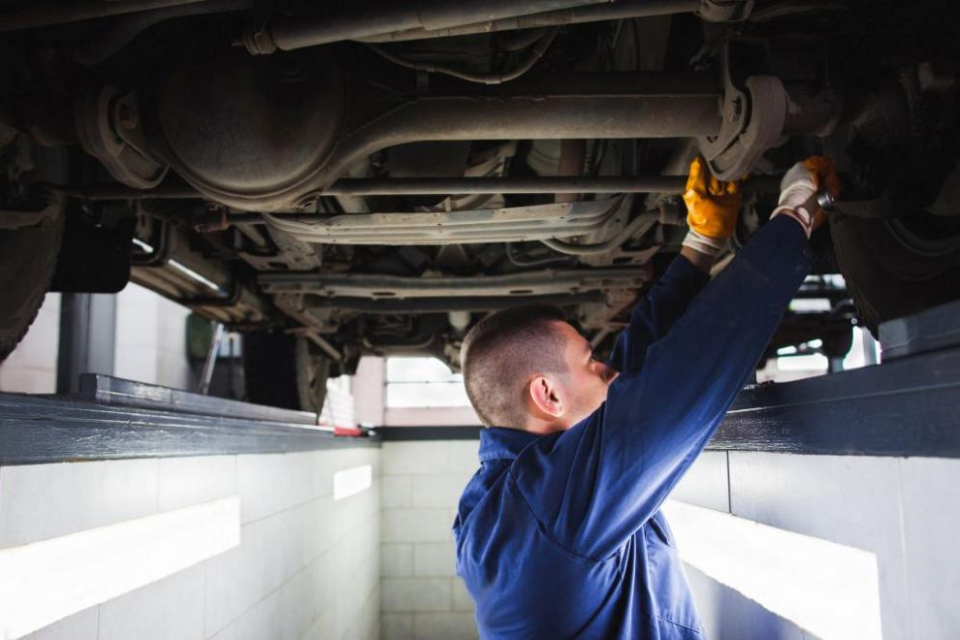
(734, 109)
(127, 117)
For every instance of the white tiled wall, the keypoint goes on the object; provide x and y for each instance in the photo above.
(308, 567)
(430, 417)
(422, 598)
(904, 510)
(150, 344)
(151, 339)
(32, 367)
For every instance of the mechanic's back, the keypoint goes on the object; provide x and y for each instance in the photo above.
(534, 587)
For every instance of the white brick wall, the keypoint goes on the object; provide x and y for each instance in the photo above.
(150, 344)
(434, 559)
(429, 416)
(313, 568)
(904, 510)
(396, 560)
(32, 367)
(416, 525)
(151, 339)
(421, 596)
(416, 594)
(307, 568)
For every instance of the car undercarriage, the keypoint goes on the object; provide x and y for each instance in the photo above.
(371, 178)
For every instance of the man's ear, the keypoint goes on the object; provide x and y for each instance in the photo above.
(545, 397)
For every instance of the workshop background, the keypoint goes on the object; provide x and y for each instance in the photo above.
(815, 545)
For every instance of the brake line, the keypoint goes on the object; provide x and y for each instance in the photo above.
(640, 225)
(482, 78)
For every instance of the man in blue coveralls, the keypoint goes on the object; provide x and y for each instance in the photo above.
(559, 534)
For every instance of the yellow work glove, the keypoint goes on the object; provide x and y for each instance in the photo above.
(712, 207)
(799, 187)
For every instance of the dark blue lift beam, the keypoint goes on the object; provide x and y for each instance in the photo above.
(908, 406)
(114, 419)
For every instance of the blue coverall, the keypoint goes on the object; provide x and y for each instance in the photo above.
(561, 535)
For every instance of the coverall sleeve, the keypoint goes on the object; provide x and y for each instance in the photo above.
(591, 487)
(655, 314)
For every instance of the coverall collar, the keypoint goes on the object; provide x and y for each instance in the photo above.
(498, 443)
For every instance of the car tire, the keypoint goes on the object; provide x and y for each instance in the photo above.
(28, 259)
(281, 370)
(897, 267)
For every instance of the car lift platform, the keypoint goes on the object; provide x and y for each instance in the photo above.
(110, 418)
(907, 406)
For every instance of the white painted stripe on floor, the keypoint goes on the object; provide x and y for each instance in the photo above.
(826, 588)
(43, 582)
(352, 481)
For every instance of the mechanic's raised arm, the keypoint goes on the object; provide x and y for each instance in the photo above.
(617, 466)
(712, 208)
(655, 314)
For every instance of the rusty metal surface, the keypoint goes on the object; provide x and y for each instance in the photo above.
(456, 227)
(518, 285)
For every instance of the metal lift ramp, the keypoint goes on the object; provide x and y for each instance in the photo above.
(906, 406)
(110, 418)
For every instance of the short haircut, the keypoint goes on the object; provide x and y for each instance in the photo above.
(500, 354)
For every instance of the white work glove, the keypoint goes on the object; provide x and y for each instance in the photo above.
(798, 191)
(705, 244)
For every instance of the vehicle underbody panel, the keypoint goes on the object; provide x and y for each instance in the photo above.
(377, 180)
